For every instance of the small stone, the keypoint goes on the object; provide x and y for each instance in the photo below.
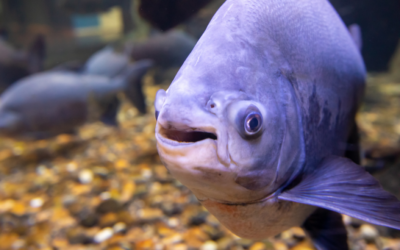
(147, 173)
(213, 232)
(194, 237)
(225, 243)
(119, 227)
(298, 233)
(41, 170)
(105, 196)
(209, 245)
(103, 235)
(72, 167)
(210, 219)
(346, 219)
(193, 215)
(68, 200)
(173, 222)
(145, 244)
(108, 220)
(6, 205)
(85, 176)
(127, 191)
(164, 231)
(258, 246)
(280, 246)
(171, 209)
(90, 220)
(102, 171)
(246, 243)
(305, 245)
(37, 202)
(18, 244)
(178, 247)
(77, 236)
(150, 214)
(368, 233)
(172, 239)
(108, 206)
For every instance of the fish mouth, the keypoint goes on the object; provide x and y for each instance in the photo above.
(179, 137)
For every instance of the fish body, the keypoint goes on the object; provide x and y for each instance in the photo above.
(258, 117)
(106, 62)
(51, 103)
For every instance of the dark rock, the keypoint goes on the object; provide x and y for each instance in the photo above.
(90, 220)
(108, 206)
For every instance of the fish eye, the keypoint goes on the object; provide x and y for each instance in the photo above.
(253, 123)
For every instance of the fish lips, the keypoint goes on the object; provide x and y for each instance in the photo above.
(197, 165)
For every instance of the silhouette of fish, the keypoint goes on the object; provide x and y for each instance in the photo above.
(50, 103)
(166, 14)
(14, 64)
(169, 49)
(254, 121)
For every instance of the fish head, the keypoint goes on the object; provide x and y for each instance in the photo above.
(229, 127)
(223, 145)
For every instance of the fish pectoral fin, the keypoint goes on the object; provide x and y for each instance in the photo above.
(342, 186)
(326, 230)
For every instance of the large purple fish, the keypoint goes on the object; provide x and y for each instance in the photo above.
(257, 120)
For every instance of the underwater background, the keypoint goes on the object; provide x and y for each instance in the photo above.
(104, 187)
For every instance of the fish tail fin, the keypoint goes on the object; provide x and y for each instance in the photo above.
(37, 54)
(131, 79)
(356, 34)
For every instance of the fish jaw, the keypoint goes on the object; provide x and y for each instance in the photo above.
(260, 220)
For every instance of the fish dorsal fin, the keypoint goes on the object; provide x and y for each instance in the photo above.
(342, 186)
(355, 33)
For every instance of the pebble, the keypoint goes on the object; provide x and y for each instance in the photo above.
(108, 206)
(85, 176)
(37, 202)
(225, 242)
(108, 220)
(105, 196)
(173, 222)
(172, 239)
(209, 245)
(150, 214)
(72, 167)
(298, 233)
(280, 246)
(178, 247)
(368, 232)
(258, 246)
(103, 235)
(147, 173)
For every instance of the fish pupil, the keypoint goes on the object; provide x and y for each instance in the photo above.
(254, 123)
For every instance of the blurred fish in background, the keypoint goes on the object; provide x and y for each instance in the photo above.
(16, 64)
(47, 104)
